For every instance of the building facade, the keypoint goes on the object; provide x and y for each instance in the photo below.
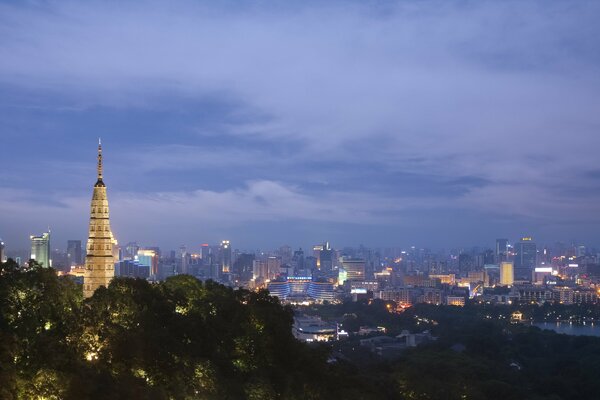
(40, 249)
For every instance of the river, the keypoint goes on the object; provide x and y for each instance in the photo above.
(570, 329)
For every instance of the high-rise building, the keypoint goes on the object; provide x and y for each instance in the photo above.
(225, 253)
(525, 259)
(466, 263)
(507, 275)
(273, 266)
(149, 258)
(40, 249)
(260, 270)
(1, 251)
(324, 255)
(99, 261)
(205, 254)
(298, 260)
(73, 253)
(354, 267)
(243, 266)
(501, 250)
(130, 250)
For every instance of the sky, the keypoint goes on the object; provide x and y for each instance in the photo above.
(385, 123)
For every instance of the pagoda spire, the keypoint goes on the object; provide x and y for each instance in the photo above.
(99, 182)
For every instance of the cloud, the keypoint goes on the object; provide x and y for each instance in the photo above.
(486, 107)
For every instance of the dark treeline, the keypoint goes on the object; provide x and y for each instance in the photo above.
(184, 339)
(180, 339)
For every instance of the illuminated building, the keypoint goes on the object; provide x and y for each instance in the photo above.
(507, 277)
(40, 249)
(354, 267)
(535, 294)
(73, 253)
(273, 266)
(133, 269)
(205, 254)
(449, 279)
(279, 288)
(260, 270)
(419, 281)
(404, 296)
(99, 262)
(455, 301)
(149, 258)
(299, 287)
(1, 251)
(324, 255)
(321, 291)
(225, 253)
(525, 259)
(541, 274)
(313, 329)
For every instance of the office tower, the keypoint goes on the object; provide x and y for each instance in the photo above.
(205, 251)
(298, 260)
(525, 259)
(99, 261)
(285, 252)
(243, 266)
(40, 249)
(225, 253)
(466, 263)
(182, 262)
(324, 255)
(488, 257)
(149, 258)
(260, 270)
(501, 250)
(354, 267)
(73, 253)
(131, 250)
(507, 275)
(1, 251)
(273, 266)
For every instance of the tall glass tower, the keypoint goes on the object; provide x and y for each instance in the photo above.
(40, 249)
(99, 262)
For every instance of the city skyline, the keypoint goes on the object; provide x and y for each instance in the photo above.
(220, 122)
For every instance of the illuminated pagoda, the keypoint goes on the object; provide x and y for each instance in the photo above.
(99, 262)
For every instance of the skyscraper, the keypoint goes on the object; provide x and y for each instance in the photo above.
(225, 252)
(507, 274)
(354, 267)
(40, 249)
(501, 250)
(525, 259)
(149, 258)
(99, 262)
(73, 252)
(1, 251)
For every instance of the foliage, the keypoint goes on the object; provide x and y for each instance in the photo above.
(180, 339)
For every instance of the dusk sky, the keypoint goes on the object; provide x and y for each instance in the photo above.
(427, 123)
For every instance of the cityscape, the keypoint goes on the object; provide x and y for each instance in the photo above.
(333, 200)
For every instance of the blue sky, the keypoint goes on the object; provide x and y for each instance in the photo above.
(428, 123)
